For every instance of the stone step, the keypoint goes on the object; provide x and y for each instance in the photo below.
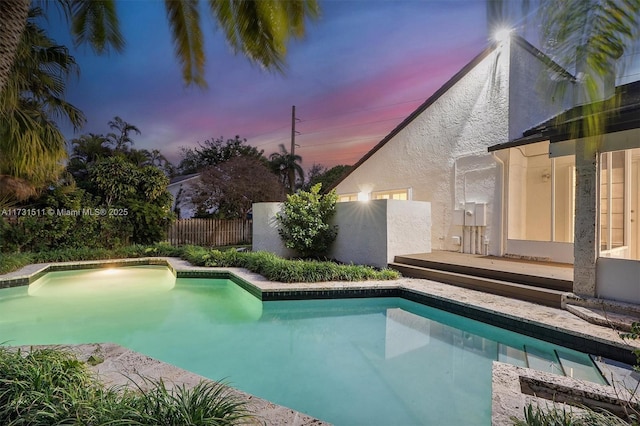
(540, 295)
(496, 274)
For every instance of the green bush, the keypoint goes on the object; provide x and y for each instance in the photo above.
(50, 386)
(12, 262)
(267, 264)
(559, 416)
(304, 222)
(278, 269)
(51, 221)
(130, 205)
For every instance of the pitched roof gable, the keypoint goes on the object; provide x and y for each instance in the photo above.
(448, 85)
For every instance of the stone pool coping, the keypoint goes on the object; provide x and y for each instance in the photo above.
(513, 388)
(555, 325)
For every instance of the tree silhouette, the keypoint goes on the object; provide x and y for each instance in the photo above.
(287, 167)
(121, 139)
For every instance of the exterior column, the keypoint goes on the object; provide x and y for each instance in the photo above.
(585, 247)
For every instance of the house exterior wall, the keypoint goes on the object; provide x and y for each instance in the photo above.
(369, 233)
(441, 155)
(187, 210)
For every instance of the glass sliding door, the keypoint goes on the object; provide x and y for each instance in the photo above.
(613, 204)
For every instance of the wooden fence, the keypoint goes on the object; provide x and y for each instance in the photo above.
(210, 232)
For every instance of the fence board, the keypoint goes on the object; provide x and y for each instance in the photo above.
(210, 232)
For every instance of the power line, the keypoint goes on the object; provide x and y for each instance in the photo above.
(374, 138)
(348, 112)
(351, 125)
(361, 110)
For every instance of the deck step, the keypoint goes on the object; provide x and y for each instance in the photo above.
(544, 296)
(552, 283)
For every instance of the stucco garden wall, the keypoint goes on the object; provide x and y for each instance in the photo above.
(265, 230)
(374, 232)
(369, 233)
(618, 279)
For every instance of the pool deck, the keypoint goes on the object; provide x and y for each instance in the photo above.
(533, 318)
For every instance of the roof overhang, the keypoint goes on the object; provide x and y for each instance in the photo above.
(618, 120)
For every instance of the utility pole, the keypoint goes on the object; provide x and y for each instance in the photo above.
(291, 173)
(293, 130)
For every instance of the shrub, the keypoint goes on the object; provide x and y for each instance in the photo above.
(560, 416)
(129, 205)
(304, 221)
(12, 262)
(51, 386)
(208, 403)
(267, 264)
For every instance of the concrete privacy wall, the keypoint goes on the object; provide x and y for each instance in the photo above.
(369, 233)
(265, 230)
(618, 279)
(373, 232)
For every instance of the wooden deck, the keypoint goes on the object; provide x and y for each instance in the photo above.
(540, 282)
(563, 271)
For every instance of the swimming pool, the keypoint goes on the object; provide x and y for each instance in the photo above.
(347, 361)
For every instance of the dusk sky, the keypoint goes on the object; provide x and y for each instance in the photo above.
(362, 68)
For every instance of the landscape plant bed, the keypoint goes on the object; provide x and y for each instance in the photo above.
(51, 386)
(269, 265)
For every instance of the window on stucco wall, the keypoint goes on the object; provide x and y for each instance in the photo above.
(343, 198)
(619, 204)
(541, 195)
(398, 194)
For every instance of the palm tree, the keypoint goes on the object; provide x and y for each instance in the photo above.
(89, 148)
(121, 139)
(92, 22)
(286, 166)
(139, 157)
(13, 19)
(160, 161)
(85, 151)
(157, 159)
(260, 30)
(31, 145)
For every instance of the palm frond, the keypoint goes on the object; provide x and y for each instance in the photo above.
(184, 21)
(261, 29)
(95, 22)
(593, 34)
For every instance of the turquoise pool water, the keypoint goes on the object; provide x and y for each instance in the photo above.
(384, 361)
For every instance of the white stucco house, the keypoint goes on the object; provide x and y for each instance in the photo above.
(492, 152)
(178, 188)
